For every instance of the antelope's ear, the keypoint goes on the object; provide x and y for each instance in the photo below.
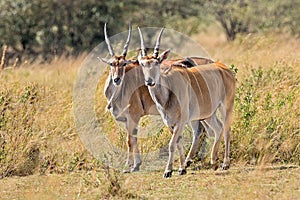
(164, 55)
(104, 60)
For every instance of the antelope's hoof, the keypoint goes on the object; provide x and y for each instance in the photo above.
(225, 166)
(168, 174)
(181, 172)
(125, 171)
(214, 166)
(135, 169)
(188, 163)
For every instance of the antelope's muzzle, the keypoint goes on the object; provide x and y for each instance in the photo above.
(117, 80)
(149, 82)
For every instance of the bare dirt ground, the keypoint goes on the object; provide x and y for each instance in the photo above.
(240, 182)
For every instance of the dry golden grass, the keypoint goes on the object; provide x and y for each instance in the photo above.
(251, 51)
(47, 122)
(38, 136)
(240, 182)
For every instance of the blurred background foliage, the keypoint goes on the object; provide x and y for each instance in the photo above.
(43, 29)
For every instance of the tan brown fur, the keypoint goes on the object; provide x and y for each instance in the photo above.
(184, 95)
(132, 102)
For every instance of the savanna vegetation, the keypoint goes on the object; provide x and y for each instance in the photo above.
(43, 29)
(38, 135)
(41, 154)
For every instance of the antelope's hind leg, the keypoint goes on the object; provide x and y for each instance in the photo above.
(227, 114)
(198, 129)
(216, 126)
(133, 162)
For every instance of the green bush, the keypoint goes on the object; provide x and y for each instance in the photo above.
(266, 125)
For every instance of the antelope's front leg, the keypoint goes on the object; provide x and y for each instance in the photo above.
(216, 126)
(176, 140)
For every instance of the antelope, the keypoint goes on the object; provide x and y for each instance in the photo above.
(129, 99)
(187, 95)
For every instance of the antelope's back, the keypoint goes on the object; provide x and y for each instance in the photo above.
(216, 76)
(208, 86)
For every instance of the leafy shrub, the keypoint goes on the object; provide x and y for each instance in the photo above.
(266, 124)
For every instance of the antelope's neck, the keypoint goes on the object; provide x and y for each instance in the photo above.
(159, 94)
(108, 88)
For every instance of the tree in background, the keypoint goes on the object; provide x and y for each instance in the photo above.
(248, 16)
(180, 15)
(233, 15)
(46, 28)
(42, 29)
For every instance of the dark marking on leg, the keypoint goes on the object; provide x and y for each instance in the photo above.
(136, 167)
(181, 172)
(125, 171)
(179, 138)
(225, 166)
(215, 166)
(171, 128)
(200, 128)
(188, 163)
(134, 132)
(168, 174)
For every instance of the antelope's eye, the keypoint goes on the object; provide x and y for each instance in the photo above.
(124, 64)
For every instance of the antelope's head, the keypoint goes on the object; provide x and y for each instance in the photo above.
(151, 64)
(117, 63)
